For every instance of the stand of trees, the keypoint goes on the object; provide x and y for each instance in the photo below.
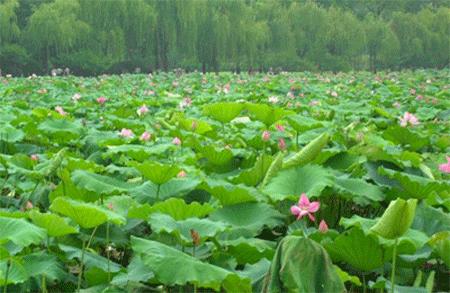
(113, 36)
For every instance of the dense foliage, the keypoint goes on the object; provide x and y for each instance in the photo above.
(115, 36)
(137, 183)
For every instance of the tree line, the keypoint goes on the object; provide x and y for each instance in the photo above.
(112, 36)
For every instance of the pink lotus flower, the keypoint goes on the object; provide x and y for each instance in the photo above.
(28, 205)
(334, 94)
(281, 144)
(181, 174)
(408, 118)
(125, 132)
(273, 99)
(305, 207)
(187, 102)
(60, 110)
(419, 98)
(266, 135)
(176, 141)
(101, 100)
(145, 136)
(34, 157)
(445, 167)
(142, 110)
(76, 97)
(279, 127)
(323, 227)
(412, 91)
(110, 206)
(314, 103)
(290, 95)
(226, 88)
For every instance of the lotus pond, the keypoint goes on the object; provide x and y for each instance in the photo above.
(296, 182)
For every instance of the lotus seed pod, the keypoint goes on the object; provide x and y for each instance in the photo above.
(397, 218)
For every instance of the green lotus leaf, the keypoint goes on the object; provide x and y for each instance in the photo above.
(86, 215)
(20, 232)
(182, 229)
(177, 187)
(249, 216)
(361, 251)
(413, 186)
(302, 123)
(406, 137)
(178, 209)
(291, 183)
(156, 172)
(441, 244)
(165, 262)
(430, 220)
(267, 114)
(99, 184)
(9, 133)
(55, 225)
(223, 112)
(361, 192)
(229, 194)
(254, 175)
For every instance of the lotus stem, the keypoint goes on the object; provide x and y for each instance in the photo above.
(108, 251)
(157, 191)
(44, 284)
(80, 276)
(364, 283)
(8, 265)
(394, 261)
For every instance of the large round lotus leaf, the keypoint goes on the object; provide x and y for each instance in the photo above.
(251, 216)
(86, 215)
(223, 112)
(10, 134)
(20, 232)
(55, 225)
(361, 251)
(182, 229)
(291, 183)
(166, 262)
(156, 172)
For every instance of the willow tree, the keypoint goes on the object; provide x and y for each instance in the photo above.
(139, 31)
(54, 28)
(213, 31)
(9, 30)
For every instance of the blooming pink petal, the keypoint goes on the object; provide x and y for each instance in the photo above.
(295, 210)
(176, 141)
(266, 135)
(303, 201)
(145, 136)
(311, 217)
(281, 144)
(314, 207)
(126, 133)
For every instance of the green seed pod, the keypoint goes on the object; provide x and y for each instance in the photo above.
(397, 218)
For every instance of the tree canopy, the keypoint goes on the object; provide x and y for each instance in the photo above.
(113, 36)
